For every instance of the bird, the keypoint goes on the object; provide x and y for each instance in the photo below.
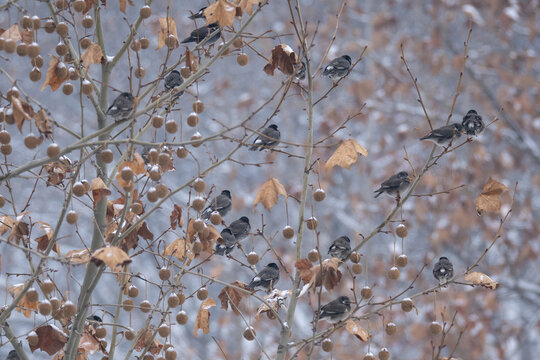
(301, 71)
(340, 248)
(229, 242)
(13, 355)
(444, 135)
(472, 123)
(201, 33)
(199, 14)
(338, 67)
(336, 310)
(443, 269)
(122, 106)
(172, 80)
(269, 138)
(266, 278)
(240, 228)
(221, 203)
(395, 185)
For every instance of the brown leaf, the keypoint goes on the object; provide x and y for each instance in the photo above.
(136, 165)
(355, 329)
(50, 339)
(268, 193)
(27, 36)
(89, 343)
(19, 228)
(43, 241)
(247, 5)
(114, 257)
(191, 61)
(13, 33)
(99, 189)
(144, 340)
(43, 124)
(275, 299)
(167, 27)
(57, 171)
(92, 55)
(176, 217)
(203, 317)
(329, 276)
(52, 79)
(479, 278)
(177, 249)
(489, 199)
(19, 113)
(24, 306)
(89, 5)
(346, 154)
(304, 265)
(283, 58)
(222, 12)
(75, 257)
(6, 224)
(123, 5)
(232, 296)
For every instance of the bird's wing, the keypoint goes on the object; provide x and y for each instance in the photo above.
(392, 183)
(443, 132)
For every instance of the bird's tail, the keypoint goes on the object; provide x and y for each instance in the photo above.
(379, 192)
(186, 40)
(220, 249)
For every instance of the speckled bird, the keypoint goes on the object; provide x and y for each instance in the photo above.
(266, 278)
(201, 33)
(338, 67)
(221, 203)
(336, 310)
(122, 106)
(472, 123)
(443, 269)
(340, 248)
(444, 135)
(269, 138)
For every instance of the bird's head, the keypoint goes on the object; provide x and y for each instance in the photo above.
(458, 128)
(127, 96)
(472, 111)
(403, 175)
(226, 231)
(227, 193)
(175, 72)
(273, 126)
(348, 58)
(345, 300)
(443, 258)
(213, 26)
(346, 238)
(273, 266)
(244, 219)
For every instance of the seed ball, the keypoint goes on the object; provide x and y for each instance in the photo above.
(198, 225)
(355, 257)
(173, 301)
(106, 156)
(13, 93)
(384, 354)
(185, 72)
(62, 29)
(242, 59)
(6, 149)
(53, 150)
(152, 155)
(140, 72)
(312, 223)
(215, 218)
(313, 255)
(393, 273)
(390, 328)
(133, 291)
(402, 260)
(37, 61)
(171, 126)
(170, 354)
(129, 334)
(155, 173)
(145, 43)
(126, 173)
(249, 333)
(33, 339)
(5, 137)
(164, 330)
(402, 230)
(181, 152)
(2, 201)
(47, 286)
(195, 138)
(36, 22)
(327, 345)
(72, 217)
(164, 160)
(33, 50)
(61, 4)
(101, 332)
(22, 49)
(87, 22)
(369, 356)
(86, 87)
(128, 305)
(61, 49)
(198, 204)
(61, 70)
(9, 46)
(164, 273)
(357, 269)
(171, 41)
(407, 305)
(157, 121)
(26, 22)
(145, 306)
(152, 194)
(202, 293)
(79, 5)
(35, 74)
(137, 208)
(198, 106)
(253, 258)
(205, 232)
(49, 26)
(366, 292)
(319, 195)
(199, 185)
(192, 119)
(435, 328)
(79, 189)
(145, 12)
(45, 307)
(162, 190)
(32, 295)
(67, 89)
(182, 318)
(73, 74)
(237, 43)
(69, 309)
(288, 232)
(85, 43)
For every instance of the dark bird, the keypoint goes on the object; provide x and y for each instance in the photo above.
(240, 228)
(340, 248)
(199, 14)
(221, 203)
(472, 123)
(338, 68)
(443, 269)
(12, 355)
(336, 310)
(172, 80)
(266, 278)
(229, 242)
(269, 138)
(301, 71)
(395, 185)
(444, 135)
(201, 33)
(122, 106)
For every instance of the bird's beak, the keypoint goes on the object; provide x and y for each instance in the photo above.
(410, 178)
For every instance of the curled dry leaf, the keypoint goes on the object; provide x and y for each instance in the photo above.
(167, 27)
(13, 33)
(489, 199)
(247, 5)
(6, 224)
(136, 165)
(222, 12)
(43, 241)
(479, 278)
(76, 257)
(114, 257)
(233, 296)
(43, 124)
(358, 331)
(99, 189)
(176, 217)
(123, 5)
(178, 248)
(24, 306)
(57, 171)
(268, 193)
(21, 111)
(52, 79)
(283, 58)
(144, 340)
(92, 55)
(89, 343)
(50, 339)
(203, 317)
(19, 228)
(191, 61)
(329, 276)
(346, 154)
(275, 299)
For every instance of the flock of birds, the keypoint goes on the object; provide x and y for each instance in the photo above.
(338, 309)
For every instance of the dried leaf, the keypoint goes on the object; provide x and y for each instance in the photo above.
(75, 257)
(43, 241)
(43, 124)
(191, 61)
(144, 340)
(92, 55)
(167, 27)
(114, 257)
(346, 154)
(355, 329)
(304, 265)
(283, 58)
(89, 343)
(329, 276)
(52, 79)
(203, 317)
(13, 33)
(268, 193)
(89, 5)
(99, 189)
(6, 224)
(123, 5)
(275, 299)
(19, 228)
(24, 306)
(176, 217)
(247, 5)
(50, 339)
(20, 108)
(177, 249)
(232, 296)
(489, 199)
(222, 12)
(57, 171)
(479, 278)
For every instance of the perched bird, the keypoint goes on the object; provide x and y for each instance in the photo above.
(199, 14)
(301, 71)
(444, 135)
(336, 310)
(229, 242)
(122, 106)
(338, 68)
(12, 355)
(443, 269)
(395, 185)
(269, 138)
(221, 203)
(172, 80)
(266, 278)
(201, 33)
(340, 248)
(240, 228)
(472, 123)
